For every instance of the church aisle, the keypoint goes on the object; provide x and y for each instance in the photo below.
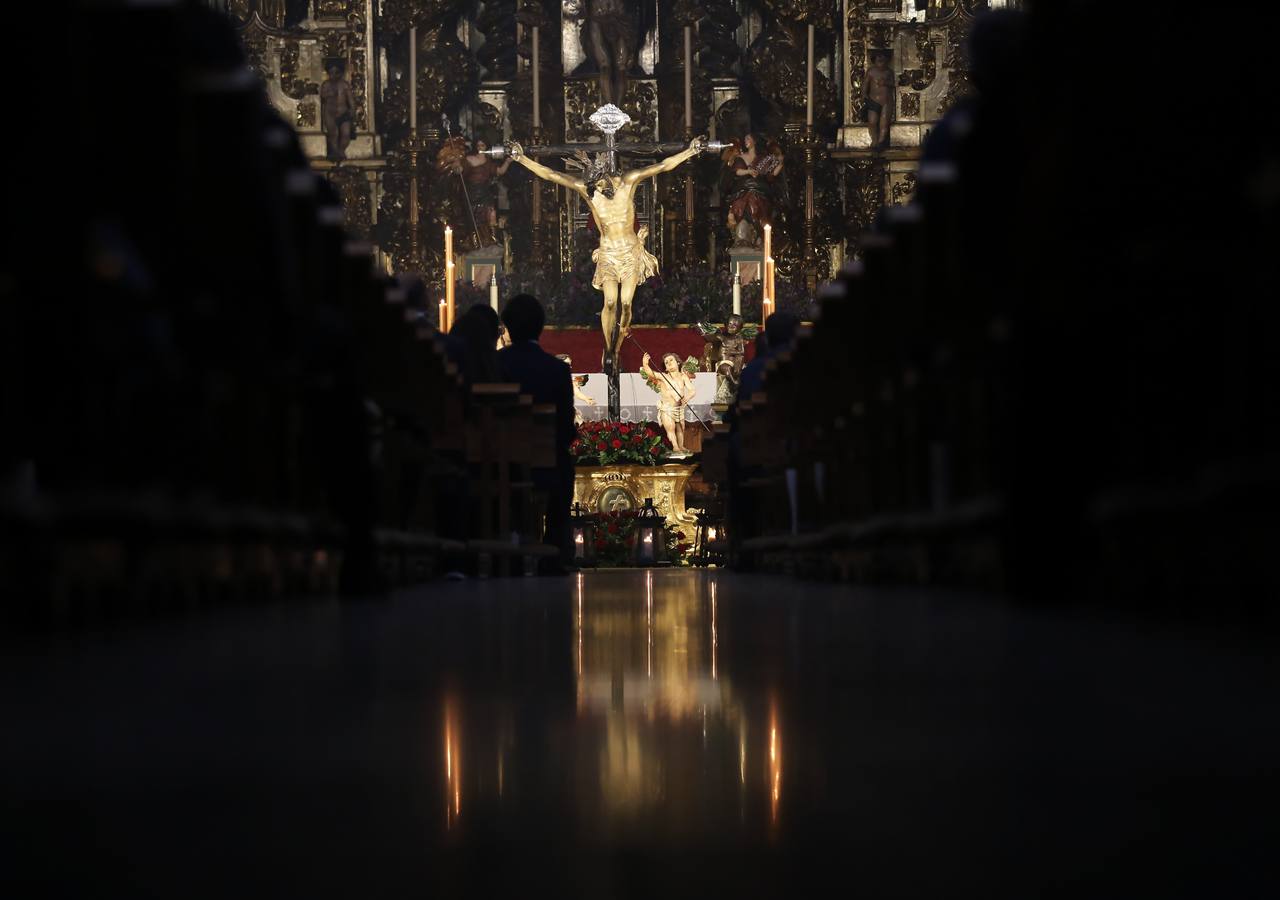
(624, 733)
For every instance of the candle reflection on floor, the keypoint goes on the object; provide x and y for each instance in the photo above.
(775, 762)
(667, 727)
(658, 737)
(452, 762)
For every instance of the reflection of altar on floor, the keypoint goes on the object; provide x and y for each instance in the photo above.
(640, 402)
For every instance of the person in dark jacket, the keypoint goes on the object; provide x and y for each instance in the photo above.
(476, 333)
(547, 380)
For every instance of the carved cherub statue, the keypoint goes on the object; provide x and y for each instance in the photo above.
(878, 95)
(728, 345)
(675, 387)
(579, 382)
(337, 109)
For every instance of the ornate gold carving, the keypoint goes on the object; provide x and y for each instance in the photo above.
(864, 195)
(582, 98)
(856, 29)
(927, 54)
(665, 484)
(332, 9)
(946, 10)
(909, 103)
(880, 35)
(293, 85)
(957, 65)
(902, 189)
(352, 186)
(306, 117)
(776, 60)
(254, 39)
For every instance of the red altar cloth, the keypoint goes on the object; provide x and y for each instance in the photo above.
(586, 345)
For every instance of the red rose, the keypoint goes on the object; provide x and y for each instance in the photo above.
(656, 451)
(625, 429)
(616, 443)
(599, 445)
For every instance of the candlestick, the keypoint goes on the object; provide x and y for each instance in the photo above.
(766, 307)
(537, 112)
(413, 78)
(764, 256)
(444, 326)
(448, 292)
(688, 78)
(773, 284)
(737, 294)
(493, 291)
(808, 103)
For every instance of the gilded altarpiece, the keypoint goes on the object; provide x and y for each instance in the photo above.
(474, 77)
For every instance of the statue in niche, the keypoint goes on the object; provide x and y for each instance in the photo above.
(878, 96)
(337, 109)
(477, 183)
(612, 34)
(753, 187)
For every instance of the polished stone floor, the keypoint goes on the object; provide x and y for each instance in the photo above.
(635, 734)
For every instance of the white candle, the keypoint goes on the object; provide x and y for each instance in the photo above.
(448, 293)
(413, 79)
(766, 309)
(737, 294)
(808, 104)
(448, 275)
(537, 112)
(688, 78)
(764, 256)
(493, 291)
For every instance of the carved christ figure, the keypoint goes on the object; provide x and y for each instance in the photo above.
(622, 261)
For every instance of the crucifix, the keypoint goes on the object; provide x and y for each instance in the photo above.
(622, 261)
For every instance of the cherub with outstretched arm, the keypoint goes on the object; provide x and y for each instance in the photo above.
(675, 392)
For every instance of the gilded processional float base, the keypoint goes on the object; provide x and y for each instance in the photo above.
(618, 488)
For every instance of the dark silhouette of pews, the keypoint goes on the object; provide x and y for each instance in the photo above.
(1032, 381)
(215, 397)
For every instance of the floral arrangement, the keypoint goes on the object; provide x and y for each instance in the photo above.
(610, 443)
(615, 537)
